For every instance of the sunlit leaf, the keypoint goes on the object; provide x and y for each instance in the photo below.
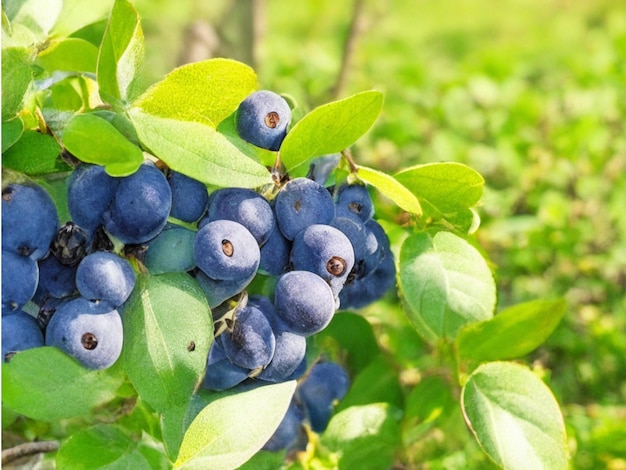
(391, 188)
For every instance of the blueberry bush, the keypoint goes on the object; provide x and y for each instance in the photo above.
(186, 266)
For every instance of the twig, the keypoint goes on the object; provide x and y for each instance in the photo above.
(349, 47)
(27, 449)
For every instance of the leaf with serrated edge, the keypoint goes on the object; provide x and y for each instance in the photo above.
(329, 128)
(198, 151)
(512, 333)
(446, 284)
(234, 427)
(391, 188)
(207, 91)
(515, 417)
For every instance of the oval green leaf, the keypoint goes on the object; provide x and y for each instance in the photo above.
(329, 128)
(39, 16)
(391, 188)
(121, 55)
(35, 154)
(92, 139)
(515, 417)
(47, 384)
(17, 73)
(446, 190)
(69, 54)
(207, 91)
(101, 446)
(167, 333)
(198, 151)
(446, 284)
(11, 132)
(364, 436)
(234, 427)
(512, 333)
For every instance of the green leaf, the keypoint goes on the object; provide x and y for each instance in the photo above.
(330, 128)
(37, 15)
(446, 284)
(101, 446)
(167, 333)
(69, 54)
(364, 436)
(515, 417)
(446, 190)
(176, 420)
(234, 426)
(512, 333)
(11, 132)
(17, 73)
(198, 151)
(35, 154)
(207, 91)
(391, 188)
(427, 405)
(378, 382)
(77, 14)
(95, 140)
(121, 54)
(46, 384)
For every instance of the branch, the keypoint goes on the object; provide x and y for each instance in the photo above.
(27, 449)
(356, 28)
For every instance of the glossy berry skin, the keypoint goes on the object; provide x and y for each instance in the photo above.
(106, 277)
(226, 250)
(262, 119)
(20, 331)
(29, 220)
(245, 206)
(171, 251)
(90, 190)
(300, 203)
(20, 277)
(88, 331)
(325, 251)
(251, 342)
(189, 197)
(221, 374)
(354, 201)
(304, 301)
(326, 383)
(141, 205)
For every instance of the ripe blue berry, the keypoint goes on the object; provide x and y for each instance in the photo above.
(262, 119)
(354, 201)
(20, 277)
(105, 277)
(90, 190)
(189, 197)
(20, 331)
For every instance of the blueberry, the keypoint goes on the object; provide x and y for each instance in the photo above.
(55, 279)
(325, 384)
(90, 190)
(171, 251)
(20, 331)
(262, 119)
(304, 301)
(189, 197)
(290, 433)
(221, 374)
(140, 207)
(367, 252)
(251, 342)
(325, 251)
(245, 206)
(368, 289)
(226, 250)
(300, 203)
(88, 331)
(20, 277)
(353, 200)
(29, 220)
(105, 277)
(275, 254)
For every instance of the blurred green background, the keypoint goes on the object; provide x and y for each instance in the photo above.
(530, 94)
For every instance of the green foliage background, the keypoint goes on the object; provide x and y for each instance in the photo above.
(530, 94)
